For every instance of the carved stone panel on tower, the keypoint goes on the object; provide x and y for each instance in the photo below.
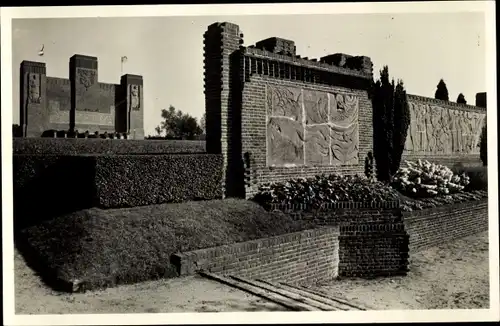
(87, 94)
(135, 102)
(34, 85)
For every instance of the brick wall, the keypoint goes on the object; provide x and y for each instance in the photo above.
(434, 226)
(306, 256)
(235, 78)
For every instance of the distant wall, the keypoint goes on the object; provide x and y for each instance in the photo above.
(444, 132)
(81, 102)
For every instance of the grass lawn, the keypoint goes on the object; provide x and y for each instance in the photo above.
(97, 248)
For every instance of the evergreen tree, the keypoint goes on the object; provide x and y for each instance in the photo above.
(441, 91)
(391, 117)
(461, 99)
(483, 146)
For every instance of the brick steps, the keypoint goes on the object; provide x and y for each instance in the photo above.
(294, 298)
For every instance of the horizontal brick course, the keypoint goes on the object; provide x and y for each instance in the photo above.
(295, 257)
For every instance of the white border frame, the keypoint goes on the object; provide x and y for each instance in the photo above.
(7, 14)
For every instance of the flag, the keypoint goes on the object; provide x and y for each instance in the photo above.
(124, 58)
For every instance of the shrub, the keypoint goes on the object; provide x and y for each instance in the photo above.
(441, 91)
(324, 189)
(425, 179)
(413, 204)
(97, 248)
(478, 177)
(78, 146)
(461, 99)
(369, 166)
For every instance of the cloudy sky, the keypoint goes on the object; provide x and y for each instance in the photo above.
(168, 51)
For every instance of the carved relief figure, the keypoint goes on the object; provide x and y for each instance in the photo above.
(454, 130)
(411, 137)
(318, 144)
(315, 107)
(34, 88)
(285, 141)
(343, 109)
(135, 103)
(344, 146)
(86, 77)
(285, 102)
(462, 121)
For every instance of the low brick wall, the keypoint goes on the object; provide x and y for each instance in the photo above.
(306, 256)
(352, 240)
(434, 226)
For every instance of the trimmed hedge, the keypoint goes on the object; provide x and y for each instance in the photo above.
(50, 185)
(72, 146)
(97, 248)
(46, 186)
(154, 179)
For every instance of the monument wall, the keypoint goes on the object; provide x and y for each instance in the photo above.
(442, 131)
(275, 116)
(81, 102)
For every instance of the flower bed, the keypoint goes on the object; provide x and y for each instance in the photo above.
(325, 189)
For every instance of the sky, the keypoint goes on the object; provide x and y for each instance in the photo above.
(420, 49)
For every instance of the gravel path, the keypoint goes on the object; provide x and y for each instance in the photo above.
(451, 276)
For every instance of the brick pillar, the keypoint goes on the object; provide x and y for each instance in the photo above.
(34, 115)
(481, 99)
(222, 43)
(85, 91)
(131, 114)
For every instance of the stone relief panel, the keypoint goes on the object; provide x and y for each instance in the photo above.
(344, 145)
(316, 107)
(317, 144)
(135, 103)
(285, 141)
(343, 109)
(284, 102)
(34, 88)
(435, 129)
(86, 77)
(328, 134)
(87, 96)
(81, 117)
